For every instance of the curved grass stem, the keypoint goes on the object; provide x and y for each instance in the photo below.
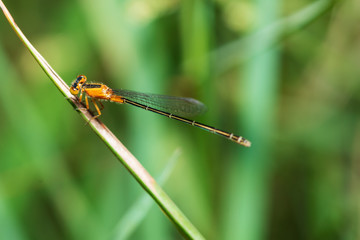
(185, 227)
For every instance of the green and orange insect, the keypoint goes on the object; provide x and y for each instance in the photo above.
(169, 106)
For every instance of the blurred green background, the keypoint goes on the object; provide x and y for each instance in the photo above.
(284, 74)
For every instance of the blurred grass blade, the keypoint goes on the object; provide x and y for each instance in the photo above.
(60, 84)
(10, 229)
(122, 154)
(134, 216)
(228, 56)
(37, 153)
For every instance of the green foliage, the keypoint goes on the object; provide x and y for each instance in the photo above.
(282, 74)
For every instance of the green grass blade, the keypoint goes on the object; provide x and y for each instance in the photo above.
(274, 33)
(133, 217)
(10, 228)
(118, 149)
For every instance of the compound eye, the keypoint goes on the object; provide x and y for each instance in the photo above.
(74, 91)
(81, 77)
(77, 84)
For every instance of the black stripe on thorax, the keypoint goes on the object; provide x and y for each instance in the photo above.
(91, 85)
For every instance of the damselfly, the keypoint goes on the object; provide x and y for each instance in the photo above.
(173, 107)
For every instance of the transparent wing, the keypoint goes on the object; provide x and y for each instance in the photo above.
(181, 106)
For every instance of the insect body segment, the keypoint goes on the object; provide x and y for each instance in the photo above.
(93, 90)
(172, 107)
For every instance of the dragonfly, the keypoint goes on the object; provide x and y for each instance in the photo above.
(178, 108)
